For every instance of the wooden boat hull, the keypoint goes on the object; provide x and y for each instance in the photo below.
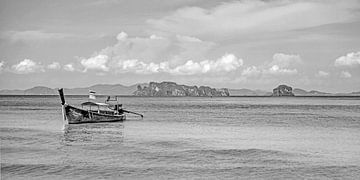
(73, 115)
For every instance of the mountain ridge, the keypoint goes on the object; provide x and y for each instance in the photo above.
(119, 89)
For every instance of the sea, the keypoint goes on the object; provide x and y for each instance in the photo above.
(184, 138)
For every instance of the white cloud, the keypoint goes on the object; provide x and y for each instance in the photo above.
(54, 65)
(285, 60)
(251, 71)
(33, 35)
(140, 67)
(173, 48)
(255, 16)
(322, 74)
(155, 54)
(155, 37)
(96, 63)
(276, 70)
(1, 66)
(281, 64)
(351, 59)
(27, 66)
(227, 63)
(345, 74)
(69, 67)
(187, 38)
(121, 36)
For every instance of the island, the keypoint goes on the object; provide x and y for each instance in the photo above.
(283, 90)
(173, 89)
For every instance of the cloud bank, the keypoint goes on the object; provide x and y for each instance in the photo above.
(255, 16)
(142, 55)
(226, 63)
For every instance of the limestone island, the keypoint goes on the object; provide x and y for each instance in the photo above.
(283, 90)
(173, 89)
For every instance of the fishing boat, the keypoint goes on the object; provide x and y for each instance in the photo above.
(92, 112)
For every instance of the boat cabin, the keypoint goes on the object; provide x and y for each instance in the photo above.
(102, 108)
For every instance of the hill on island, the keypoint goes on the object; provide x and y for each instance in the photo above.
(301, 92)
(100, 89)
(173, 89)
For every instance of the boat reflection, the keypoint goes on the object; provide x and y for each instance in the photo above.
(93, 134)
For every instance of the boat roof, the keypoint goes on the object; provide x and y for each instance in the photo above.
(89, 103)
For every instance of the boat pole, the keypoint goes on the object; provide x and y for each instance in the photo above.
(133, 113)
(61, 94)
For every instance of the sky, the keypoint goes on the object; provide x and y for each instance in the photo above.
(255, 44)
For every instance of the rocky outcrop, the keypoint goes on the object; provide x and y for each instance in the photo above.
(173, 89)
(283, 90)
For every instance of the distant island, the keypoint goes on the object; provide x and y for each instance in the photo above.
(170, 89)
(173, 89)
(283, 90)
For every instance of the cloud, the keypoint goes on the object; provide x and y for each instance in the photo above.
(251, 71)
(350, 59)
(226, 63)
(1, 66)
(33, 35)
(54, 66)
(255, 16)
(155, 37)
(285, 60)
(187, 38)
(140, 67)
(172, 54)
(276, 70)
(96, 63)
(121, 36)
(27, 66)
(345, 74)
(69, 67)
(322, 74)
(176, 49)
(280, 65)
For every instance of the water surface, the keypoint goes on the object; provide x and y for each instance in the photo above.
(184, 137)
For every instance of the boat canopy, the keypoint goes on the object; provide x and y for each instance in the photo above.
(93, 104)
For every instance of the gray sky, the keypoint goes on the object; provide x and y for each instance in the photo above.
(236, 44)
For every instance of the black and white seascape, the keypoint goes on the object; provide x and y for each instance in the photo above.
(195, 89)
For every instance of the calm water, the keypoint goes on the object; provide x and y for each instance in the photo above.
(184, 138)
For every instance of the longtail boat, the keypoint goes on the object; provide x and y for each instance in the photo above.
(93, 113)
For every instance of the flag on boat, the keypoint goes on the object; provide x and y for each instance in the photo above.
(92, 94)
